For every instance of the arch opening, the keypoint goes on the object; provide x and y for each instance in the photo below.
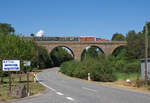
(91, 52)
(121, 50)
(61, 54)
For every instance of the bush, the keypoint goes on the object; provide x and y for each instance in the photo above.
(120, 65)
(100, 69)
(133, 67)
(104, 70)
(69, 67)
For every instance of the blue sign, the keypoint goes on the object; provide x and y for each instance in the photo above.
(11, 65)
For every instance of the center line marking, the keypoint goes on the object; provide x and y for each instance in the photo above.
(69, 98)
(89, 89)
(59, 93)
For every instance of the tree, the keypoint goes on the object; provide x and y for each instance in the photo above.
(44, 60)
(118, 37)
(120, 51)
(130, 35)
(135, 45)
(92, 52)
(32, 34)
(143, 31)
(6, 29)
(60, 55)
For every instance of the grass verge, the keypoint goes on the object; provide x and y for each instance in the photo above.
(34, 88)
(124, 76)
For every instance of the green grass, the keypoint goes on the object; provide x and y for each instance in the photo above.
(125, 76)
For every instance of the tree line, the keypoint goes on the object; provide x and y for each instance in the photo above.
(125, 59)
(13, 46)
(135, 42)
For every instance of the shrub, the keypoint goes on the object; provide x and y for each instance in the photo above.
(120, 65)
(133, 67)
(69, 67)
(101, 69)
(104, 71)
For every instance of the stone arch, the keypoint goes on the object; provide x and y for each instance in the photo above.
(114, 47)
(97, 46)
(69, 48)
(117, 48)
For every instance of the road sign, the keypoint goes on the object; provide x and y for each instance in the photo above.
(11, 65)
(26, 63)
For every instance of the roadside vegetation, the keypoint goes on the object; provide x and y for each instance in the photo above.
(124, 63)
(34, 88)
(14, 46)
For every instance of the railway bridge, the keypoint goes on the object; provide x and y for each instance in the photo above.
(77, 47)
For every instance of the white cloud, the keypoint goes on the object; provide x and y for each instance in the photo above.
(40, 33)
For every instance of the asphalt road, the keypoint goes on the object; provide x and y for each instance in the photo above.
(61, 89)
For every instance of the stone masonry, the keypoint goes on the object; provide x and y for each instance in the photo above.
(77, 47)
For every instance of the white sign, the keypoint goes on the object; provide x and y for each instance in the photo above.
(26, 63)
(11, 65)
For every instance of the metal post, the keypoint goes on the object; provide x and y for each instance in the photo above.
(146, 52)
(27, 82)
(34, 78)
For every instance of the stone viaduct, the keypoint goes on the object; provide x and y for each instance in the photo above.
(77, 47)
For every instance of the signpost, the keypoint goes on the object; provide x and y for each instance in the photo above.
(9, 66)
(27, 63)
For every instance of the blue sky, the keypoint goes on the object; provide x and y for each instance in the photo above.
(99, 18)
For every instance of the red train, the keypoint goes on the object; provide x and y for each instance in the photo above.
(82, 38)
(91, 39)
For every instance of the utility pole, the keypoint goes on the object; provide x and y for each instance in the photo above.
(146, 53)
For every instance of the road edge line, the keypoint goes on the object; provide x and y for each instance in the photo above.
(37, 80)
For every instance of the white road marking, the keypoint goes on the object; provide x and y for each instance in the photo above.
(59, 93)
(89, 89)
(45, 84)
(69, 98)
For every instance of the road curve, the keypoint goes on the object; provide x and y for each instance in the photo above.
(61, 89)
